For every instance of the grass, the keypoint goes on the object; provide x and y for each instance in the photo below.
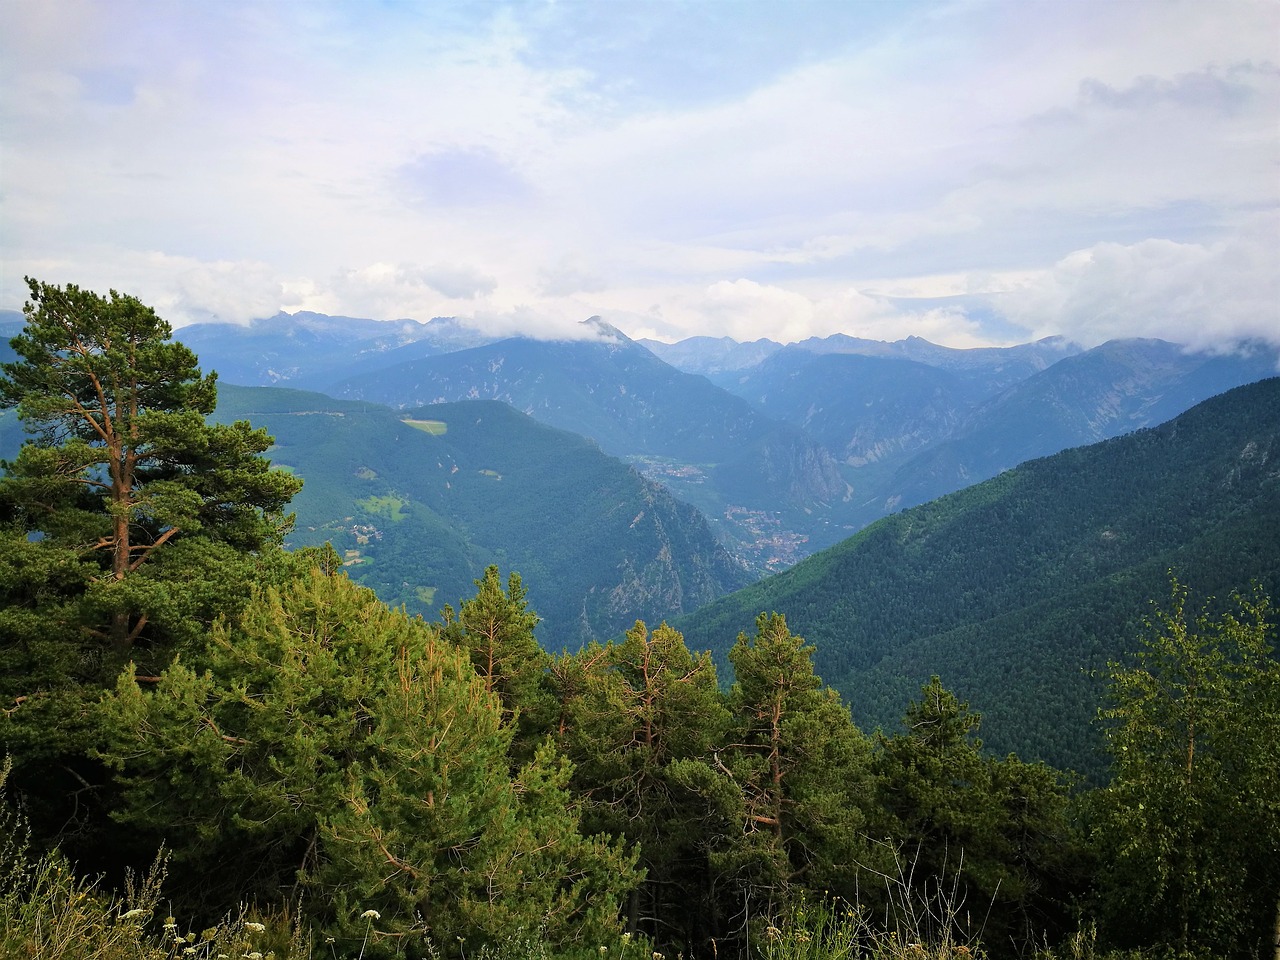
(389, 506)
(434, 427)
(47, 911)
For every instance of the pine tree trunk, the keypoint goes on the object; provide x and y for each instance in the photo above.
(1276, 931)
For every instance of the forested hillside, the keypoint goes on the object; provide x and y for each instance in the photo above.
(709, 447)
(310, 772)
(421, 502)
(1019, 590)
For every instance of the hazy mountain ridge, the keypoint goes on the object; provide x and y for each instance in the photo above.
(1113, 389)
(1014, 589)
(836, 432)
(309, 349)
(712, 356)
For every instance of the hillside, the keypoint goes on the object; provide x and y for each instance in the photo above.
(1107, 391)
(709, 447)
(1015, 589)
(421, 507)
(804, 445)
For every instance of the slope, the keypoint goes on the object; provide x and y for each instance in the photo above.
(1107, 391)
(419, 506)
(710, 448)
(1017, 589)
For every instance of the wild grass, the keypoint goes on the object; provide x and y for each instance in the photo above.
(48, 912)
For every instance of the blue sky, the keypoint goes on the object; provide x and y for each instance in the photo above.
(970, 172)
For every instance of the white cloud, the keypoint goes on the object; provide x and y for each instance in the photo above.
(1204, 295)
(470, 160)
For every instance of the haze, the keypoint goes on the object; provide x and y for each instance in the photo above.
(969, 172)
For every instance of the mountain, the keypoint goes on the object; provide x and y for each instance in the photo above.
(11, 324)
(420, 503)
(711, 356)
(1018, 590)
(1104, 392)
(911, 421)
(862, 408)
(994, 363)
(308, 349)
(709, 447)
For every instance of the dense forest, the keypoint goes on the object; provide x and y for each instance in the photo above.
(1020, 590)
(217, 747)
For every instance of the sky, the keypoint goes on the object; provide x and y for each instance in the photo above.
(966, 171)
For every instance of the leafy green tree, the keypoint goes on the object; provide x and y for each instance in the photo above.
(640, 720)
(800, 769)
(336, 748)
(1190, 832)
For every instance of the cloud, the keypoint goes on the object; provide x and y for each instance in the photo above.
(463, 177)
(1203, 295)
(747, 310)
(539, 163)
(1203, 90)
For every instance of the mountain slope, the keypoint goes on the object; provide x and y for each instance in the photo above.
(1107, 391)
(310, 349)
(1013, 590)
(711, 448)
(863, 409)
(711, 356)
(421, 505)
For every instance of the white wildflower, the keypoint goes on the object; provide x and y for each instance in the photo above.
(371, 915)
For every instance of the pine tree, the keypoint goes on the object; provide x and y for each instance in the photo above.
(496, 627)
(127, 526)
(987, 842)
(335, 747)
(121, 462)
(640, 720)
(799, 766)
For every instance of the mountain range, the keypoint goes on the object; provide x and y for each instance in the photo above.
(785, 449)
(421, 502)
(629, 480)
(1019, 590)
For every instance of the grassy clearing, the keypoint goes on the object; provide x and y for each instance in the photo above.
(390, 506)
(434, 427)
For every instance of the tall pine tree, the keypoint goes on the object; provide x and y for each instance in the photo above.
(799, 767)
(128, 524)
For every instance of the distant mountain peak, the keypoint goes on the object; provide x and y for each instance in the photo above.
(606, 330)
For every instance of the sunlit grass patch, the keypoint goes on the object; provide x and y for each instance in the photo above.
(434, 427)
(390, 506)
